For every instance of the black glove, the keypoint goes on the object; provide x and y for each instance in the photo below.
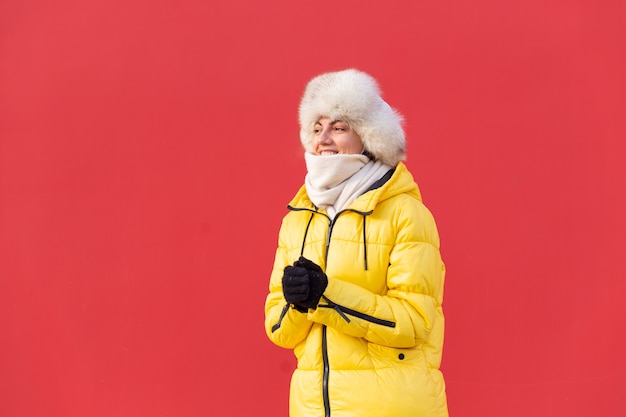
(303, 284)
(295, 284)
(318, 281)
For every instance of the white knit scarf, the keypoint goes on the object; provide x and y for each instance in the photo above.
(334, 181)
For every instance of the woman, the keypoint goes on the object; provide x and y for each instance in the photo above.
(357, 283)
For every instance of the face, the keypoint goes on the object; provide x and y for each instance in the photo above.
(335, 137)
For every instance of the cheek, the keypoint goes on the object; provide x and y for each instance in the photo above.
(356, 145)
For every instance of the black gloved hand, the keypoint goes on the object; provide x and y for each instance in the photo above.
(318, 281)
(307, 264)
(303, 284)
(295, 284)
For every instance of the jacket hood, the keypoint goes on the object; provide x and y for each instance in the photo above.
(355, 98)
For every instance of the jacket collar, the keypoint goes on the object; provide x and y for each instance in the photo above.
(400, 182)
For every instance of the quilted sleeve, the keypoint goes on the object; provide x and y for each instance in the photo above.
(285, 327)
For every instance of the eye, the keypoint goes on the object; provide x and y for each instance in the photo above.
(340, 126)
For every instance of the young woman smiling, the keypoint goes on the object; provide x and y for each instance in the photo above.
(356, 289)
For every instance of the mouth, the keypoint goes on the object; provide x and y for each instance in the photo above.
(325, 153)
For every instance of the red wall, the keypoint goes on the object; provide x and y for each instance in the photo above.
(148, 150)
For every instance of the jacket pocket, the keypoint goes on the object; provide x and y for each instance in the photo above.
(389, 357)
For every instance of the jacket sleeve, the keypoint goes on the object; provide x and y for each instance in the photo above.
(285, 326)
(404, 316)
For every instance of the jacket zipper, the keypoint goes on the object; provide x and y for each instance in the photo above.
(280, 319)
(325, 376)
(342, 311)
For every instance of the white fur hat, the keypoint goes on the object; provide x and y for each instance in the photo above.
(354, 97)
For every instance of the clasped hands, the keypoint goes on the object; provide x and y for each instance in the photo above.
(304, 283)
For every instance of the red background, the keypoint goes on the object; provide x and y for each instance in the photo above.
(148, 150)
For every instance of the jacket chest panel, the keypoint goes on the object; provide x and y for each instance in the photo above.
(349, 250)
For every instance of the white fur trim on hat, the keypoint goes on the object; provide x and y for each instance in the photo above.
(353, 97)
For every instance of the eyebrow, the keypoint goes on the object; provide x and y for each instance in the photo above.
(333, 122)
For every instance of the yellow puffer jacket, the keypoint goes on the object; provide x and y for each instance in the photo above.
(373, 346)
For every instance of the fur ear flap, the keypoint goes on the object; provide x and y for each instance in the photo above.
(354, 97)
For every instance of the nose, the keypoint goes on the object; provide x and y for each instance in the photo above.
(324, 136)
